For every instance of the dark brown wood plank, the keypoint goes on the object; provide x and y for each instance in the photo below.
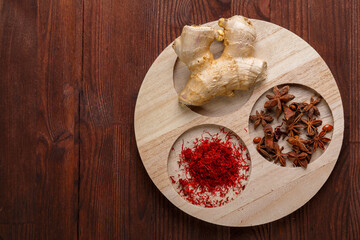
(17, 231)
(18, 112)
(59, 57)
(354, 53)
(121, 41)
(354, 118)
(40, 70)
(353, 227)
(159, 22)
(325, 25)
(329, 34)
(292, 15)
(41, 94)
(108, 149)
(258, 9)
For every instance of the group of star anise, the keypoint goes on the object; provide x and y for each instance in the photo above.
(297, 116)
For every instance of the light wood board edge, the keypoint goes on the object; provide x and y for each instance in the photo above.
(272, 192)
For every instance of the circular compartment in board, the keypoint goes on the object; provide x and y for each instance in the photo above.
(302, 94)
(232, 149)
(160, 120)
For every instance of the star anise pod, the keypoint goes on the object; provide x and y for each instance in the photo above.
(311, 108)
(309, 152)
(297, 141)
(269, 137)
(288, 112)
(299, 158)
(298, 107)
(293, 128)
(278, 155)
(279, 97)
(311, 125)
(262, 150)
(262, 118)
(319, 140)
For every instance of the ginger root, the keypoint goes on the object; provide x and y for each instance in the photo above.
(236, 69)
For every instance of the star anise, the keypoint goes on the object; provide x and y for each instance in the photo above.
(298, 107)
(299, 158)
(262, 118)
(278, 155)
(269, 137)
(311, 125)
(311, 108)
(302, 150)
(279, 97)
(297, 141)
(293, 128)
(319, 140)
(262, 150)
(309, 152)
(288, 112)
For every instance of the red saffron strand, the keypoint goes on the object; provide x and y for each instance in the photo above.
(172, 179)
(212, 168)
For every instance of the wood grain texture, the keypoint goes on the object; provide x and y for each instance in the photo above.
(267, 197)
(40, 72)
(121, 40)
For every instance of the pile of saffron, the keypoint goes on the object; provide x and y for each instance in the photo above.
(215, 170)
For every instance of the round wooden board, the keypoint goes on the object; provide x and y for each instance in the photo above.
(272, 191)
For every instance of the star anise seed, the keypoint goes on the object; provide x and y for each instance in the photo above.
(298, 107)
(262, 118)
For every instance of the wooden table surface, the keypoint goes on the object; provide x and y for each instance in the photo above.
(70, 73)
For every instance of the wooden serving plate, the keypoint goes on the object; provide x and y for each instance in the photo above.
(272, 191)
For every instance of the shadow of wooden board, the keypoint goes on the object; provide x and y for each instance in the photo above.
(272, 192)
